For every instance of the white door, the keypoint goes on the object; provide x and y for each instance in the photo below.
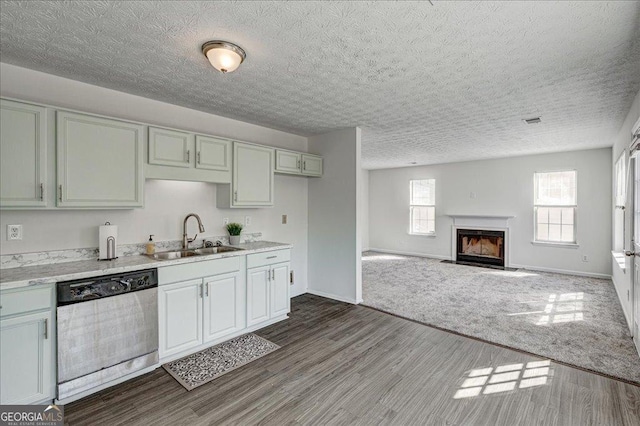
(224, 306)
(25, 359)
(280, 301)
(257, 295)
(634, 264)
(213, 153)
(180, 316)
(170, 147)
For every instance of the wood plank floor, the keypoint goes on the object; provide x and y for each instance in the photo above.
(344, 364)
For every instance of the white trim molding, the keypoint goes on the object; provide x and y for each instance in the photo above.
(410, 253)
(562, 271)
(334, 297)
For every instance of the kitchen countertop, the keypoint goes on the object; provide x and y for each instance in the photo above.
(50, 274)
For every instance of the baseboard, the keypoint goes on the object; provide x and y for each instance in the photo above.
(561, 271)
(409, 253)
(334, 297)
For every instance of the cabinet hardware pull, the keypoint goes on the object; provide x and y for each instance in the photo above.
(201, 290)
(271, 257)
(198, 157)
(46, 328)
(304, 165)
(60, 192)
(235, 195)
(188, 156)
(41, 192)
(206, 290)
(273, 274)
(268, 275)
(297, 164)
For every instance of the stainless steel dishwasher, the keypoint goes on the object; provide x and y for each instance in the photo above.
(107, 328)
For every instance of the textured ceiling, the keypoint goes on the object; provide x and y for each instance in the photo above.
(427, 84)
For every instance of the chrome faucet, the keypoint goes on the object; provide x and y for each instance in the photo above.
(186, 240)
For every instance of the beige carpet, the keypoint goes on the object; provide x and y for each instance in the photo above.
(575, 320)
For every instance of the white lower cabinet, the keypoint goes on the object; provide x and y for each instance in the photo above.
(258, 294)
(203, 303)
(224, 301)
(180, 311)
(268, 285)
(27, 373)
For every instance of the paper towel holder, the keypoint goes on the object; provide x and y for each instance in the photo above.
(110, 247)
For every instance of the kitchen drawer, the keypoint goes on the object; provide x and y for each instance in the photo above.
(25, 300)
(268, 258)
(189, 271)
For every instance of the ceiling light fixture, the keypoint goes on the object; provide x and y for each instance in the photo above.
(224, 56)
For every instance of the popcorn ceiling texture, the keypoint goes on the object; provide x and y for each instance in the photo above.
(429, 84)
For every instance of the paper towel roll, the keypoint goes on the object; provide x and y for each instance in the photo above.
(108, 238)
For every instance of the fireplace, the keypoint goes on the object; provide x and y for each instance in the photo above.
(480, 246)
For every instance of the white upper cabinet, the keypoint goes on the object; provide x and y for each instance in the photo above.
(298, 163)
(177, 155)
(23, 155)
(252, 178)
(99, 162)
(311, 165)
(170, 147)
(288, 162)
(213, 153)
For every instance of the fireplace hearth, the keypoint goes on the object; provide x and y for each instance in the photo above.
(480, 247)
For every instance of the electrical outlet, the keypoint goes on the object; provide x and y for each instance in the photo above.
(247, 221)
(284, 219)
(14, 232)
(585, 258)
(225, 221)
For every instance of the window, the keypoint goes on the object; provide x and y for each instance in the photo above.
(555, 207)
(423, 206)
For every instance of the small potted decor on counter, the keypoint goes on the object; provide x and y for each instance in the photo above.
(234, 230)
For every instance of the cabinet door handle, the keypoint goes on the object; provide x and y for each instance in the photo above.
(46, 328)
(271, 257)
(198, 157)
(273, 274)
(206, 289)
(60, 192)
(188, 156)
(235, 195)
(268, 275)
(297, 164)
(41, 192)
(201, 290)
(304, 165)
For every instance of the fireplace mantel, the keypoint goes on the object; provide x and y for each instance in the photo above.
(480, 220)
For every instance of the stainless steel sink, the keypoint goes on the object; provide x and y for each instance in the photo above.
(214, 250)
(178, 254)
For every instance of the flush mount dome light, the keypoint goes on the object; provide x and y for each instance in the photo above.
(224, 56)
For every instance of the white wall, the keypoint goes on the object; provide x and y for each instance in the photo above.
(334, 223)
(166, 202)
(622, 277)
(364, 209)
(502, 187)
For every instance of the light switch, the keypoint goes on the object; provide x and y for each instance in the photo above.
(284, 219)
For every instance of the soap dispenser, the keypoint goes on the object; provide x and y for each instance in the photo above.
(151, 246)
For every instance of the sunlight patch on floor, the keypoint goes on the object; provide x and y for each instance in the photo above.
(504, 378)
(560, 308)
(511, 274)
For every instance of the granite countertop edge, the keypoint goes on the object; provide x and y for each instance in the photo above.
(29, 276)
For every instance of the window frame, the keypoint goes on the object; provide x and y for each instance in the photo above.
(412, 205)
(574, 206)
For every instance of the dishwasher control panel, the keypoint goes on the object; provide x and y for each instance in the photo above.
(83, 290)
